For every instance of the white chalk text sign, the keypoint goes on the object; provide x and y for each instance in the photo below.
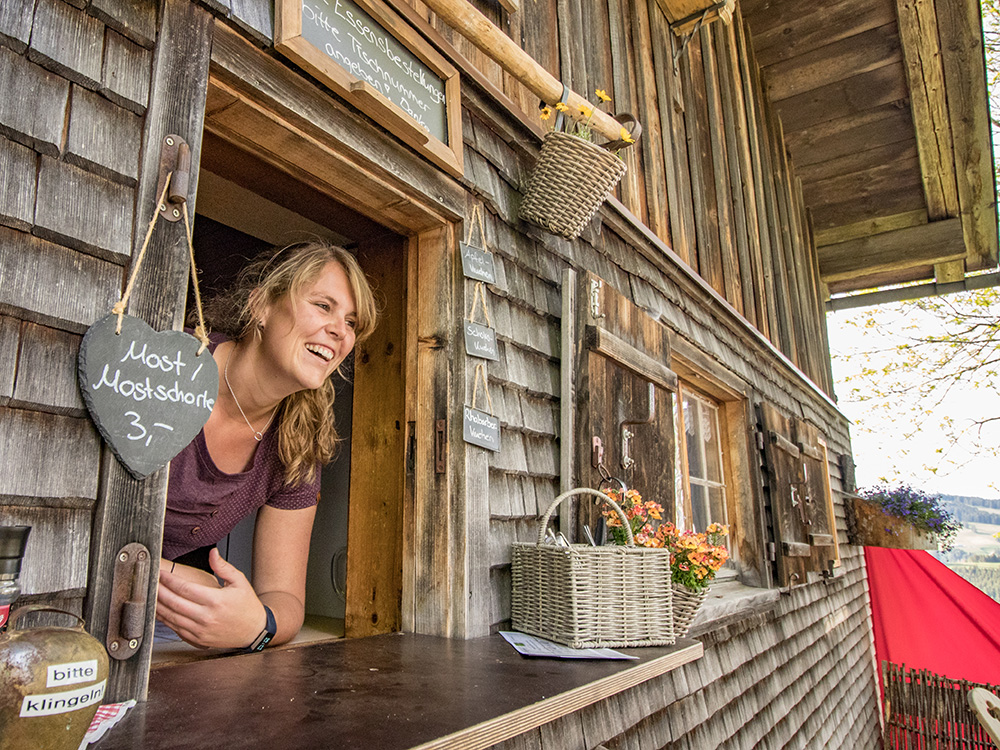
(149, 393)
(366, 52)
(481, 341)
(482, 429)
(477, 264)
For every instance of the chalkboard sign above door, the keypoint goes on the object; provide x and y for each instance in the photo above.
(370, 56)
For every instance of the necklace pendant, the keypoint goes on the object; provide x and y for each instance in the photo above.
(258, 436)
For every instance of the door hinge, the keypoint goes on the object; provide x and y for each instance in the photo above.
(127, 613)
(440, 446)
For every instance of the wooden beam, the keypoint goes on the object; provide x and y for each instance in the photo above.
(604, 342)
(903, 248)
(869, 227)
(950, 272)
(478, 29)
(918, 33)
(961, 33)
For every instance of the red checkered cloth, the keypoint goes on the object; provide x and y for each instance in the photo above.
(105, 718)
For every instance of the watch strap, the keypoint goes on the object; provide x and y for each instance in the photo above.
(266, 635)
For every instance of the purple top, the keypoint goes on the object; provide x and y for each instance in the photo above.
(204, 503)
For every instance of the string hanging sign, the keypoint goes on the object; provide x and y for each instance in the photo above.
(479, 427)
(477, 262)
(480, 340)
(148, 392)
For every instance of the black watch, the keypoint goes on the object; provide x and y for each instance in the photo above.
(266, 635)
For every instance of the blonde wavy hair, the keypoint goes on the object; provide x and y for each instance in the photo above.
(307, 435)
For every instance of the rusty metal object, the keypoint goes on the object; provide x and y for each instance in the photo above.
(52, 680)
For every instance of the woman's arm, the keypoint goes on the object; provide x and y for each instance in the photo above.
(280, 559)
(232, 616)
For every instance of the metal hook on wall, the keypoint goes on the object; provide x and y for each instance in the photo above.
(626, 434)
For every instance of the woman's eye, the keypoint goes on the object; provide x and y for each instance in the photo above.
(322, 306)
(352, 323)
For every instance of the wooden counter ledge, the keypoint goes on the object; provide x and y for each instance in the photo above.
(391, 692)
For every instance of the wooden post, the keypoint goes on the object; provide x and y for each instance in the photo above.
(129, 510)
(478, 29)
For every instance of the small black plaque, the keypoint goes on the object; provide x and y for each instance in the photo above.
(482, 429)
(149, 393)
(478, 263)
(481, 341)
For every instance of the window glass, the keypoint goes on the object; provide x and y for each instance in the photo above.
(704, 480)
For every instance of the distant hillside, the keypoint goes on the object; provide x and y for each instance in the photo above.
(972, 509)
(985, 577)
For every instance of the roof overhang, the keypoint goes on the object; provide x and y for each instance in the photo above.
(885, 114)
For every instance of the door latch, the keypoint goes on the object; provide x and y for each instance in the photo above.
(627, 461)
(127, 615)
(175, 161)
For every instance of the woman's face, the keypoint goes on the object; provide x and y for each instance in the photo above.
(307, 336)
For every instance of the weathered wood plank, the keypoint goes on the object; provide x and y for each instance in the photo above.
(129, 510)
(103, 137)
(961, 32)
(55, 559)
(790, 29)
(126, 71)
(851, 97)
(875, 178)
(902, 248)
(899, 197)
(135, 19)
(375, 536)
(834, 62)
(46, 372)
(17, 191)
(10, 332)
(67, 41)
(31, 269)
(837, 138)
(652, 142)
(859, 160)
(43, 447)
(256, 17)
(36, 115)
(15, 23)
(84, 211)
(918, 31)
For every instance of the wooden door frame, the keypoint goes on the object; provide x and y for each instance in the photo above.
(256, 103)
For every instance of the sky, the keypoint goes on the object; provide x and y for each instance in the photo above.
(883, 452)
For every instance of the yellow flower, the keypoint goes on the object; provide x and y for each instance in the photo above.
(603, 95)
(625, 136)
(546, 113)
(561, 106)
(586, 111)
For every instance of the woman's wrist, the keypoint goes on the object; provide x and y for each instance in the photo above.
(266, 634)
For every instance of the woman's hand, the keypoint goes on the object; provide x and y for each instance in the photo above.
(204, 613)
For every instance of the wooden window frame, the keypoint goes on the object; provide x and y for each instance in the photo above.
(686, 500)
(701, 374)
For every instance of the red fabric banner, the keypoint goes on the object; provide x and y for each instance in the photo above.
(926, 616)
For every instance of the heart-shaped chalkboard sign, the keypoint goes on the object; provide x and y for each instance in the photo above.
(149, 393)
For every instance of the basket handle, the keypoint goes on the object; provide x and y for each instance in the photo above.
(631, 126)
(584, 491)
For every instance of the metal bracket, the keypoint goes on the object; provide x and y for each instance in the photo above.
(127, 613)
(596, 452)
(627, 461)
(595, 299)
(175, 160)
(440, 446)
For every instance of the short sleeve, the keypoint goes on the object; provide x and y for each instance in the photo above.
(300, 496)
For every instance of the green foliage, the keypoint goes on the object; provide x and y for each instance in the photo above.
(920, 510)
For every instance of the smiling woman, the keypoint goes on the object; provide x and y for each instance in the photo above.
(282, 331)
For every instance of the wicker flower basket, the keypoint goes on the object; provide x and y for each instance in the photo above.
(686, 606)
(571, 180)
(592, 597)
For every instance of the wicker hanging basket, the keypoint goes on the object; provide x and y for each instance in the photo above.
(592, 597)
(571, 180)
(686, 606)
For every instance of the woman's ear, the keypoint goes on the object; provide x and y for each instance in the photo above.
(258, 310)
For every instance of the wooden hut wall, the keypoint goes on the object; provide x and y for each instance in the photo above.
(74, 89)
(711, 175)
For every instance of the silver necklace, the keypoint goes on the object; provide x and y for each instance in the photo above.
(258, 435)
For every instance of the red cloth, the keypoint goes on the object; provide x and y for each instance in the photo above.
(926, 616)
